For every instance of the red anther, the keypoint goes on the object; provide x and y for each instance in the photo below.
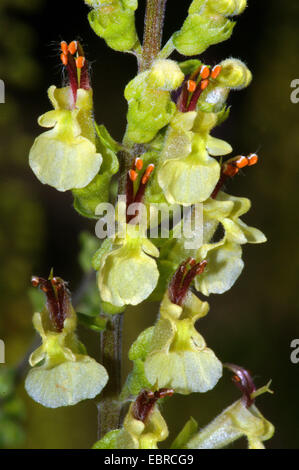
(252, 159)
(133, 175)
(64, 59)
(138, 163)
(216, 71)
(191, 86)
(72, 47)
(64, 47)
(241, 161)
(200, 269)
(204, 84)
(164, 392)
(146, 400)
(204, 72)
(243, 380)
(148, 173)
(80, 61)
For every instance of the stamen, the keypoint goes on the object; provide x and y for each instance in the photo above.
(64, 59)
(191, 86)
(216, 71)
(138, 163)
(182, 279)
(146, 400)
(241, 162)
(204, 84)
(80, 62)
(204, 72)
(133, 175)
(148, 173)
(73, 47)
(252, 159)
(64, 47)
(58, 299)
(244, 382)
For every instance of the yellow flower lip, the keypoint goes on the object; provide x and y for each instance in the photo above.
(65, 157)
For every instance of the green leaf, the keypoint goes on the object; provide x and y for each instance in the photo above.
(186, 433)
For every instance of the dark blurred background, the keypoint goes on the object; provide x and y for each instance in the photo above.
(251, 325)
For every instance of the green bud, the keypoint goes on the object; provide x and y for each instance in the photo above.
(114, 21)
(165, 75)
(200, 31)
(234, 74)
(150, 108)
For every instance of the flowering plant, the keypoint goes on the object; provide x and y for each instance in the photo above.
(168, 156)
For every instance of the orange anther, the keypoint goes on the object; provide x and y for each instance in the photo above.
(252, 159)
(80, 61)
(241, 161)
(133, 175)
(191, 85)
(138, 163)
(73, 46)
(216, 71)
(64, 59)
(63, 47)
(204, 72)
(228, 169)
(148, 173)
(236, 378)
(204, 84)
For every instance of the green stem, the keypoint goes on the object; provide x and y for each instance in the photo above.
(110, 407)
(153, 30)
(111, 355)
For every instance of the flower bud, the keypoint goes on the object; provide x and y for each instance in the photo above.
(114, 21)
(234, 74)
(165, 75)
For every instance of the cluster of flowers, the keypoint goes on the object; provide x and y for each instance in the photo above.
(172, 110)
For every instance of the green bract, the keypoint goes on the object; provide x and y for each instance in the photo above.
(177, 356)
(224, 257)
(128, 274)
(66, 156)
(114, 21)
(205, 25)
(234, 422)
(62, 373)
(149, 100)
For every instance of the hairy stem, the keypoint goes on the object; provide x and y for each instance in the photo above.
(111, 355)
(153, 30)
